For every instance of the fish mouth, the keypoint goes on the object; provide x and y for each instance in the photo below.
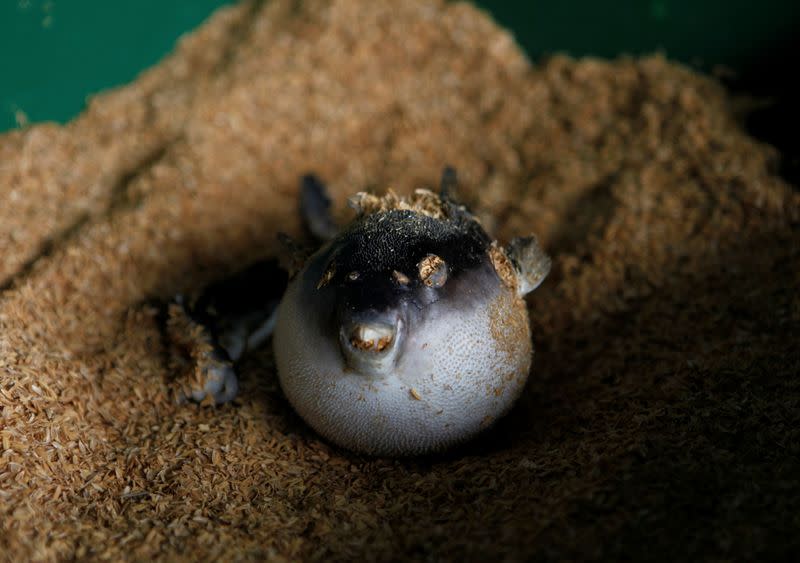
(370, 342)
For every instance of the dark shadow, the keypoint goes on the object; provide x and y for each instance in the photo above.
(712, 468)
(772, 111)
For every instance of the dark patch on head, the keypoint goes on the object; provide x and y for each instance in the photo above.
(399, 240)
(385, 251)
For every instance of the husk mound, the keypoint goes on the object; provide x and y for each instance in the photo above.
(662, 416)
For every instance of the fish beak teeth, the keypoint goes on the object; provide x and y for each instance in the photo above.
(371, 347)
(371, 337)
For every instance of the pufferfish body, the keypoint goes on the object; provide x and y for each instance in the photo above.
(406, 333)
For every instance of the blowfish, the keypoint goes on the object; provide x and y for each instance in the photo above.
(405, 333)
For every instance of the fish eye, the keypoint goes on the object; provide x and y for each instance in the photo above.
(353, 276)
(432, 271)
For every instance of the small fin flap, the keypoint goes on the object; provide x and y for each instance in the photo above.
(449, 184)
(315, 208)
(530, 262)
(451, 198)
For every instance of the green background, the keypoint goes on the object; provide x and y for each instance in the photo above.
(54, 53)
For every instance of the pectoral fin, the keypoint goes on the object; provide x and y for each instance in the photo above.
(530, 262)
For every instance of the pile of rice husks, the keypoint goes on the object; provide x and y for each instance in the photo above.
(662, 417)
